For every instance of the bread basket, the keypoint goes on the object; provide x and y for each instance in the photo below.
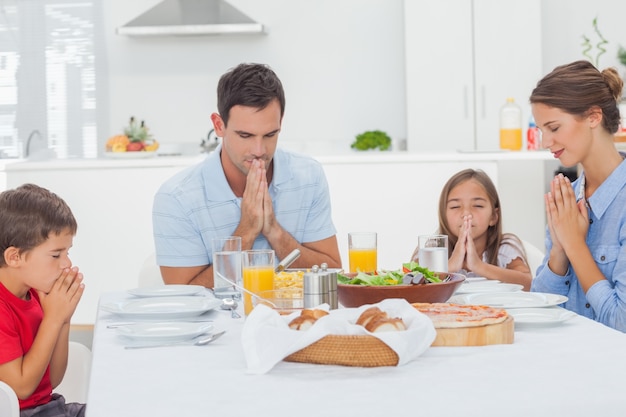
(347, 350)
(334, 339)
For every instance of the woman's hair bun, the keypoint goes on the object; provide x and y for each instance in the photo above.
(614, 81)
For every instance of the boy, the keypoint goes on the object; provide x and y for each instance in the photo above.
(39, 291)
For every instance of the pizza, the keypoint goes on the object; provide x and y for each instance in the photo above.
(446, 315)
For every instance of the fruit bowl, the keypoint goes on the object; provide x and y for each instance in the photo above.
(136, 141)
(439, 292)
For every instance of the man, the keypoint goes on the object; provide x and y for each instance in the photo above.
(269, 197)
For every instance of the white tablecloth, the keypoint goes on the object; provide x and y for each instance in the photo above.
(576, 368)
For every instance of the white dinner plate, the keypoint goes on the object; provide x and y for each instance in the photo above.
(164, 331)
(518, 299)
(169, 290)
(540, 316)
(162, 308)
(486, 286)
(474, 279)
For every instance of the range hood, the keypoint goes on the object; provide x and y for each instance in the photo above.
(191, 17)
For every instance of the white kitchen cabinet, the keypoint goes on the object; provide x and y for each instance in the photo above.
(463, 59)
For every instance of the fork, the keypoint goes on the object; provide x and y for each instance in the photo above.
(197, 341)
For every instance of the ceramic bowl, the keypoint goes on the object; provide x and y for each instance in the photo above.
(358, 295)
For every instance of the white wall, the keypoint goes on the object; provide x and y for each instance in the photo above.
(341, 63)
(564, 22)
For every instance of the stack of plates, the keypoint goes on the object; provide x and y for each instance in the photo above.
(158, 315)
(527, 308)
(487, 286)
(162, 308)
(518, 299)
(163, 331)
(167, 290)
(540, 316)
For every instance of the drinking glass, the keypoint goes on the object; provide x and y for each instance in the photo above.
(362, 252)
(258, 274)
(433, 252)
(227, 264)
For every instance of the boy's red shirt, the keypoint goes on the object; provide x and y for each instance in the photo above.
(19, 323)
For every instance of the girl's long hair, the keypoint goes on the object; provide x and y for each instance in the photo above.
(495, 237)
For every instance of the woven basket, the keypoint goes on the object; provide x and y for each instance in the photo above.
(347, 350)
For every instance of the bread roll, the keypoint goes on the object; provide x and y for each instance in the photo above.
(372, 313)
(385, 325)
(306, 319)
(313, 313)
(302, 323)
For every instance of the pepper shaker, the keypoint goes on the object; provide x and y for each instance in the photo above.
(331, 278)
(315, 288)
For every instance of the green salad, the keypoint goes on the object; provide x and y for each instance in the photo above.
(410, 273)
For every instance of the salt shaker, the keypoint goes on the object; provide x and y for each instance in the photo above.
(315, 288)
(331, 278)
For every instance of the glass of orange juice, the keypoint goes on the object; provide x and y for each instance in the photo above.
(362, 251)
(258, 274)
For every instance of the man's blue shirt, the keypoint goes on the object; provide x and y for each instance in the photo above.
(197, 204)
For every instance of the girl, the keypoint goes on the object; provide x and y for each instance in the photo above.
(576, 109)
(469, 213)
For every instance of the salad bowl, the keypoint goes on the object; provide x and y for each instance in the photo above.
(352, 295)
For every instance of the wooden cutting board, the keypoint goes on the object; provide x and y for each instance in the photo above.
(493, 334)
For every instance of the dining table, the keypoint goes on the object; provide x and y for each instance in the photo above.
(571, 368)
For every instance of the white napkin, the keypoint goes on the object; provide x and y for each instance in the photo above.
(267, 338)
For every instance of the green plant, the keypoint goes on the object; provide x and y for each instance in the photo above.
(588, 46)
(621, 55)
(372, 139)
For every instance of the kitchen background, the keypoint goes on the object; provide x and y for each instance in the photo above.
(342, 62)
(433, 73)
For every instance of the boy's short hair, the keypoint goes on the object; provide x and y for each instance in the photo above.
(29, 214)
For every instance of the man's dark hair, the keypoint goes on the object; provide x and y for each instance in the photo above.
(250, 85)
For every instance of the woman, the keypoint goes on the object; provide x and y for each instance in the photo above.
(575, 107)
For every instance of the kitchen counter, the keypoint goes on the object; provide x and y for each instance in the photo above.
(393, 193)
(99, 163)
(353, 157)
(399, 156)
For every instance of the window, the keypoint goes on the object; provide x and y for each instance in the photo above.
(48, 54)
